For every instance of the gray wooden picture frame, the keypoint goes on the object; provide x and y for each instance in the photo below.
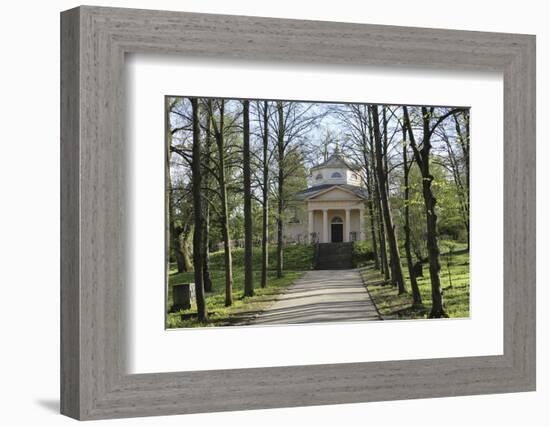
(94, 382)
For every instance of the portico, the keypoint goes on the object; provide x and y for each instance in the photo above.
(338, 222)
(334, 227)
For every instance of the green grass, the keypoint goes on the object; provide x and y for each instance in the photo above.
(446, 245)
(455, 290)
(296, 259)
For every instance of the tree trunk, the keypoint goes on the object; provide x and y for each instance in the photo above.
(397, 272)
(176, 246)
(431, 220)
(227, 252)
(373, 235)
(168, 205)
(207, 279)
(280, 181)
(224, 211)
(198, 215)
(417, 298)
(219, 132)
(460, 188)
(385, 147)
(175, 232)
(370, 204)
(265, 198)
(384, 268)
(180, 261)
(185, 248)
(464, 141)
(248, 272)
(422, 158)
(433, 247)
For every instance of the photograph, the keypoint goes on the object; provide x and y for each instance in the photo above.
(292, 212)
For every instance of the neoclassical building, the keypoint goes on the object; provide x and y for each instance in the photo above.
(332, 209)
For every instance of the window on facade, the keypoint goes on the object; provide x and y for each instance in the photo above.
(293, 215)
(337, 220)
(319, 176)
(336, 175)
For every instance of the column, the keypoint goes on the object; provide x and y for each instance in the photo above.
(346, 225)
(362, 224)
(325, 225)
(310, 226)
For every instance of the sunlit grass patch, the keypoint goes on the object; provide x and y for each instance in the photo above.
(455, 287)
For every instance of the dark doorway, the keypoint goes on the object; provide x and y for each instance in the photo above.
(337, 233)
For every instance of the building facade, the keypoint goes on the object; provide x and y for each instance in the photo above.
(332, 208)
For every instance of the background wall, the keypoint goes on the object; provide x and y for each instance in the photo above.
(29, 212)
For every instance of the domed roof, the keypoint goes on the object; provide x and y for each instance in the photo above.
(336, 160)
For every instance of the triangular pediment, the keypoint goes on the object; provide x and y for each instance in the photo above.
(335, 193)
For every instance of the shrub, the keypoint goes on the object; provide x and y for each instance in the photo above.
(362, 253)
(295, 257)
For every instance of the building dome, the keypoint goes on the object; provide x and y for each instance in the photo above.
(334, 171)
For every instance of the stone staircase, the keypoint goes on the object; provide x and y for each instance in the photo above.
(333, 256)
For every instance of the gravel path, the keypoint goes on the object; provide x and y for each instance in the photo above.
(321, 296)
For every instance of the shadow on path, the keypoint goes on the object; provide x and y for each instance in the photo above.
(321, 296)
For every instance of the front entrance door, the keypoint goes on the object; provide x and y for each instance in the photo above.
(337, 233)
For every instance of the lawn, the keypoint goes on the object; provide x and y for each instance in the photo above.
(455, 289)
(297, 258)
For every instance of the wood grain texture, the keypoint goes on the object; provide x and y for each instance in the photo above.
(70, 297)
(94, 239)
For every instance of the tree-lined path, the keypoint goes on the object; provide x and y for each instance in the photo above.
(251, 184)
(321, 296)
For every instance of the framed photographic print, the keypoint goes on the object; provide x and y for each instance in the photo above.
(287, 213)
